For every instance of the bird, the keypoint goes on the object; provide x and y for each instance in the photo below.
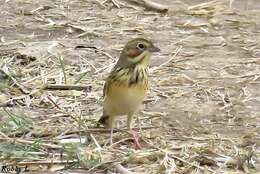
(127, 84)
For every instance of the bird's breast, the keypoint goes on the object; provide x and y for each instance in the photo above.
(126, 94)
(122, 99)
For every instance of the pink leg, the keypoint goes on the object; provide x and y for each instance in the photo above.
(132, 132)
(136, 138)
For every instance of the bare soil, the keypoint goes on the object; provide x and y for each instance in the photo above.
(202, 114)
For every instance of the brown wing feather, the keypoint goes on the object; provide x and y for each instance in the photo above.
(104, 119)
(114, 76)
(106, 85)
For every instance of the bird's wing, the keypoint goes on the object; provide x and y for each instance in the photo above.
(109, 80)
(114, 75)
(106, 85)
(105, 89)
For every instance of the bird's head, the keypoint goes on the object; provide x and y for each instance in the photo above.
(137, 51)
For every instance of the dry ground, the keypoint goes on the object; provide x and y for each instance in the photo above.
(202, 114)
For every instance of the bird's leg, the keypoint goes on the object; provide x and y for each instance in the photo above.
(132, 132)
(129, 120)
(111, 126)
(111, 136)
(139, 124)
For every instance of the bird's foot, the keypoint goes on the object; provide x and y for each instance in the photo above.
(136, 138)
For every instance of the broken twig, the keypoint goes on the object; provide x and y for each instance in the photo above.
(152, 5)
(66, 87)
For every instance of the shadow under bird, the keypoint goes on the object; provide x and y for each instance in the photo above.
(127, 84)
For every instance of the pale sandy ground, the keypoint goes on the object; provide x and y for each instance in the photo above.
(206, 100)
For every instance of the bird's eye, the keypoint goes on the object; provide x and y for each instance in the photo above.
(141, 46)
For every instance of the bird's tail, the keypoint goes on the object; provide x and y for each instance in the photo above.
(104, 120)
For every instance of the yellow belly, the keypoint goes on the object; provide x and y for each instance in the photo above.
(123, 99)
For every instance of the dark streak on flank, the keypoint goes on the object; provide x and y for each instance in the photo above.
(136, 77)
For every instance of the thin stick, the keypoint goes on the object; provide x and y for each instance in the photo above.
(21, 87)
(8, 102)
(168, 61)
(62, 65)
(98, 3)
(113, 1)
(122, 170)
(46, 162)
(53, 102)
(152, 5)
(177, 158)
(89, 63)
(104, 68)
(66, 87)
(52, 146)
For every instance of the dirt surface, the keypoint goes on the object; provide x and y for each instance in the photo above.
(202, 113)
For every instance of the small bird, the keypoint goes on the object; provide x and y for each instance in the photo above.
(127, 84)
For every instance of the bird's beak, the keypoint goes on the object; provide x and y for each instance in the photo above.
(154, 49)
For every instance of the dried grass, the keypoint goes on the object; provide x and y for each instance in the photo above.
(201, 115)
